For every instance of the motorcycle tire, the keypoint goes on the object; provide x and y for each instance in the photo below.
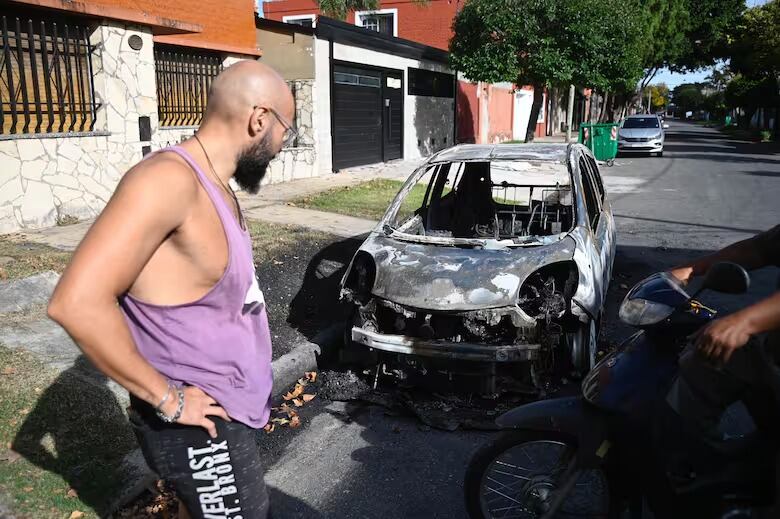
(483, 459)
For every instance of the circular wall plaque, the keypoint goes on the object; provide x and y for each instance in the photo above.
(135, 42)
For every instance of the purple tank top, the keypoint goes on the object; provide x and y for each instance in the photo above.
(219, 343)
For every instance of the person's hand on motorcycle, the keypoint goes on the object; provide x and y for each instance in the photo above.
(719, 339)
(683, 274)
(198, 406)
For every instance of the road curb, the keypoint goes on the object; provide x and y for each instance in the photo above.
(287, 369)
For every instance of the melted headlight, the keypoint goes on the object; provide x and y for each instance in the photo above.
(641, 312)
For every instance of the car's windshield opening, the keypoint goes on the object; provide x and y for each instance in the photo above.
(641, 122)
(487, 200)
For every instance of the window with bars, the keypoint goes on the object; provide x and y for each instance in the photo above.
(46, 83)
(379, 22)
(183, 81)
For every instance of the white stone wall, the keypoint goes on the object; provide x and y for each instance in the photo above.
(45, 179)
(322, 106)
(171, 136)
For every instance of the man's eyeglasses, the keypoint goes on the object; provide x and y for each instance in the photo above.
(290, 133)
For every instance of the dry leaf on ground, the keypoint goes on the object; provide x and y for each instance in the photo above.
(295, 393)
(311, 376)
(308, 397)
(280, 421)
(76, 514)
(269, 428)
(298, 402)
(295, 422)
(72, 493)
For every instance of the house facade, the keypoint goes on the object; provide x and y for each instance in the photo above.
(375, 97)
(429, 24)
(486, 113)
(91, 87)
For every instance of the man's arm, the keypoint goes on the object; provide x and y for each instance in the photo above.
(721, 337)
(151, 201)
(752, 253)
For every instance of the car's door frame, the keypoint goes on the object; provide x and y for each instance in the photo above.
(591, 290)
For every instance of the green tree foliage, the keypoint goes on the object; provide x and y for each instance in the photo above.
(755, 49)
(755, 56)
(750, 94)
(686, 35)
(688, 97)
(339, 8)
(549, 43)
(665, 25)
(706, 38)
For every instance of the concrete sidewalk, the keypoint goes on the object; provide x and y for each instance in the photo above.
(270, 205)
(331, 223)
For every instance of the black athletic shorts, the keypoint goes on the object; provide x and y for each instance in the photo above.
(216, 479)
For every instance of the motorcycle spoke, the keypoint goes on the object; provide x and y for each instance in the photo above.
(511, 475)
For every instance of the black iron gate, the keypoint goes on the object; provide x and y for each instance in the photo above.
(46, 82)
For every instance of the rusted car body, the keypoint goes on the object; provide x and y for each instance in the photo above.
(492, 262)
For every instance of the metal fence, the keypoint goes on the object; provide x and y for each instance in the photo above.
(183, 81)
(46, 82)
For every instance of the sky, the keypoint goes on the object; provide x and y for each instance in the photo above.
(673, 79)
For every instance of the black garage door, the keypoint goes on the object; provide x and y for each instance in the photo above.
(367, 116)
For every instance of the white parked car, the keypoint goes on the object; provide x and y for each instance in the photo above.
(642, 133)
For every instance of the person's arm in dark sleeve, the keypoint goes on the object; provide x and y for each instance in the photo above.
(756, 252)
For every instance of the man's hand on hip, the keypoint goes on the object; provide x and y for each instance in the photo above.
(198, 406)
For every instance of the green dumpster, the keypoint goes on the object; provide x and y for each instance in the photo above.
(728, 120)
(601, 139)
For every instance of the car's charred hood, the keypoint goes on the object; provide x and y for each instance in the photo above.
(437, 278)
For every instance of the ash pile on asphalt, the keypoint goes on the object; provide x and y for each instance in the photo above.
(342, 386)
(443, 411)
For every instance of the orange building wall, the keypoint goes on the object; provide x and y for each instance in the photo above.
(226, 25)
(430, 24)
(225, 22)
(500, 111)
(468, 113)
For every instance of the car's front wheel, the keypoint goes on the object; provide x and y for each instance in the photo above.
(584, 345)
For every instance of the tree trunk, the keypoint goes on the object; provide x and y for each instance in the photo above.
(536, 107)
(602, 107)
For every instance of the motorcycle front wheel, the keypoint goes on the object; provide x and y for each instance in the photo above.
(518, 473)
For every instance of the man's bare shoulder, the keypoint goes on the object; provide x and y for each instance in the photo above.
(164, 175)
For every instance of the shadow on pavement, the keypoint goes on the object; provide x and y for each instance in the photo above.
(285, 506)
(316, 305)
(79, 431)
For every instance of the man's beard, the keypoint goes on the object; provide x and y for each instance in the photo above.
(252, 165)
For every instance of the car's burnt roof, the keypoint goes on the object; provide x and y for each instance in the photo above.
(552, 152)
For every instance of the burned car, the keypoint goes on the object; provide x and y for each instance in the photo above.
(491, 264)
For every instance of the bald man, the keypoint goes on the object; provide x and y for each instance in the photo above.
(161, 296)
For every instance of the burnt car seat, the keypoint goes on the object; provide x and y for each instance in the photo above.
(474, 203)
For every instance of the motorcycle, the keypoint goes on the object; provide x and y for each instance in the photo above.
(595, 455)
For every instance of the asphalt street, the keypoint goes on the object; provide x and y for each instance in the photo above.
(356, 461)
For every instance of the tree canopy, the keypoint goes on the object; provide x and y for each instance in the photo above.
(548, 42)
